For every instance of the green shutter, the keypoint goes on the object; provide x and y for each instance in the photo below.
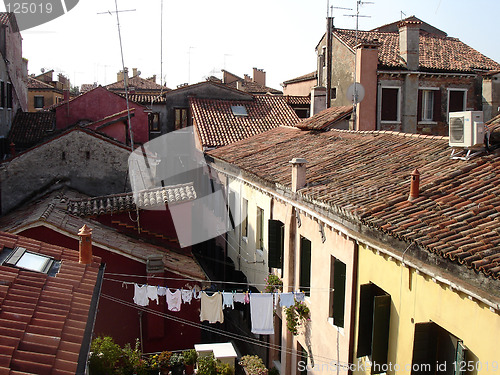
(339, 271)
(460, 359)
(380, 337)
(275, 243)
(365, 321)
(305, 266)
(424, 349)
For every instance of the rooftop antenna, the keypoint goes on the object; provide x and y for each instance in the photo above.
(161, 47)
(357, 15)
(403, 15)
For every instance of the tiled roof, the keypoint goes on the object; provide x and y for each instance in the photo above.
(436, 53)
(43, 318)
(253, 87)
(146, 98)
(9, 18)
(30, 128)
(138, 83)
(305, 77)
(111, 204)
(87, 87)
(364, 177)
(297, 100)
(494, 124)
(34, 84)
(52, 211)
(217, 125)
(326, 119)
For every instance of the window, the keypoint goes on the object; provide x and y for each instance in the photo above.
(305, 266)
(276, 243)
(389, 110)
(244, 218)
(239, 110)
(333, 93)
(39, 102)
(435, 350)
(2, 93)
(22, 258)
(429, 105)
(373, 332)
(456, 100)
(259, 240)
(9, 95)
(337, 295)
(154, 122)
(181, 118)
(302, 357)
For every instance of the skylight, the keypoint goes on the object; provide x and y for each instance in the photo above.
(27, 260)
(239, 110)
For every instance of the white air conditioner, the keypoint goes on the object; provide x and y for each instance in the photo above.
(466, 129)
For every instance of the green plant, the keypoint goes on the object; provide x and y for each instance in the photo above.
(176, 360)
(273, 284)
(296, 315)
(104, 356)
(224, 368)
(207, 365)
(253, 365)
(164, 360)
(190, 356)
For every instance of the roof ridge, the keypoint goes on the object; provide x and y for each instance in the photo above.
(392, 132)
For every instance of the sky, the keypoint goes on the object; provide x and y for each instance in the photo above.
(201, 37)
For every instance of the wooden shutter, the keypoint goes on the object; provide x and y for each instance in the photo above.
(339, 271)
(380, 339)
(438, 114)
(275, 244)
(419, 106)
(460, 359)
(365, 321)
(305, 265)
(424, 349)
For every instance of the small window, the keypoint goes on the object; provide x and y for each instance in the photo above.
(181, 118)
(259, 241)
(305, 266)
(63, 155)
(2, 94)
(337, 294)
(390, 104)
(39, 102)
(22, 258)
(427, 105)
(333, 93)
(457, 99)
(244, 218)
(239, 110)
(87, 155)
(9, 95)
(276, 243)
(154, 122)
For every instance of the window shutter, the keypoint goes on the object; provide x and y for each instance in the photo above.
(275, 244)
(305, 265)
(438, 115)
(380, 340)
(339, 275)
(424, 346)
(365, 321)
(460, 359)
(419, 106)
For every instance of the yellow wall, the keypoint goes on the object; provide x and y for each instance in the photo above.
(416, 298)
(51, 97)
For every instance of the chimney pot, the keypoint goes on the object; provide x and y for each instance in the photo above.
(298, 173)
(85, 245)
(414, 185)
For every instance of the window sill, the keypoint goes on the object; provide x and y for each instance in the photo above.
(338, 329)
(390, 122)
(427, 123)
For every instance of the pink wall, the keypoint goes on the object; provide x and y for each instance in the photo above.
(98, 104)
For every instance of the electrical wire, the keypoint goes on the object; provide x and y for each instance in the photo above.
(234, 336)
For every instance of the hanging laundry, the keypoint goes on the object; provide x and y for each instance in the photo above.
(141, 295)
(162, 291)
(211, 308)
(187, 295)
(153, 293)
(227, 300)
(300, 296)
(197, 292)
(239, 297)
(247, 299)
(174, 300)
(286, 299)
(261, 313)
(276, 297)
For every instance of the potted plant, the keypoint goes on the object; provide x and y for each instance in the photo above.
(273, 284)
(224, 368)
(162, 360)
(296, 315)
(253, 365)
(190, 357)
(207, 365)
(177, 364)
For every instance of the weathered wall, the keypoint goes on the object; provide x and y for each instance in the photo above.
(302, 88)
(87, 163)
(51, 97)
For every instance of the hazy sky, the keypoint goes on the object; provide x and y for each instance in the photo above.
(201, 37)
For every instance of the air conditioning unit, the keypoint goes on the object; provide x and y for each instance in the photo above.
(466, 129)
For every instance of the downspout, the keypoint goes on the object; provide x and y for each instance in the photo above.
(353, 303)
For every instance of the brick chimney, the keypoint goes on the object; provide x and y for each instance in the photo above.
(85, 245)
(259, 76)
(409, 43)
(366, 66)
(298, 173)
(134, 72)
(414, 185)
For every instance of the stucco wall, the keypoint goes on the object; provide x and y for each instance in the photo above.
(302, 88)
(103, 172)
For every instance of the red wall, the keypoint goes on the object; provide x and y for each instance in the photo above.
(98, 104)
(122, 322)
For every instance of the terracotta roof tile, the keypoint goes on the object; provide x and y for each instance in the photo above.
(30, 128)
(326, 119)
(436, 52)
(364, 177)
(35, 84)
(216, 124)
(137, 83)
(305, 77)
(32, 318)
(253, 87)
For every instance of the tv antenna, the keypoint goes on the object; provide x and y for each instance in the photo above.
(356, 86)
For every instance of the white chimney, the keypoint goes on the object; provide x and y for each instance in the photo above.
(409, 43)
(298, 173)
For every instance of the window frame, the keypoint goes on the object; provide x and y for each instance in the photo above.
(305, 266)
(398, 104)
(35, 97)
(464, 106)
(275, 243)
(338, 276)
(151, 122)
(259, 229)
(9, 98)
(182, 123)
(2, 94)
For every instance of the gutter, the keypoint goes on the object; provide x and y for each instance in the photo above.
(89, 328)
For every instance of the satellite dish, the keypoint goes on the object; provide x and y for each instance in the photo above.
(42, 70)
(355, 93)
